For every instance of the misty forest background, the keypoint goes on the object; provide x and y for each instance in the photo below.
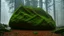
(54, 7)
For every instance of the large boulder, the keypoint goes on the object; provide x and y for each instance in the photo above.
(31, 19)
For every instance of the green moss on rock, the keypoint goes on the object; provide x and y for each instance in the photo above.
(31, 18)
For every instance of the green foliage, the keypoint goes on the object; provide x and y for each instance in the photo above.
(31, 18)
(59, 30)
(3, 28)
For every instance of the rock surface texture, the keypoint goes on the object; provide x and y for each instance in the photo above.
(29, 18)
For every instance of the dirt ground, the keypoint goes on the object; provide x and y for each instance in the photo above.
(30, 33)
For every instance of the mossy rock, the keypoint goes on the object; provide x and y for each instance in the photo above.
(31, 19)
